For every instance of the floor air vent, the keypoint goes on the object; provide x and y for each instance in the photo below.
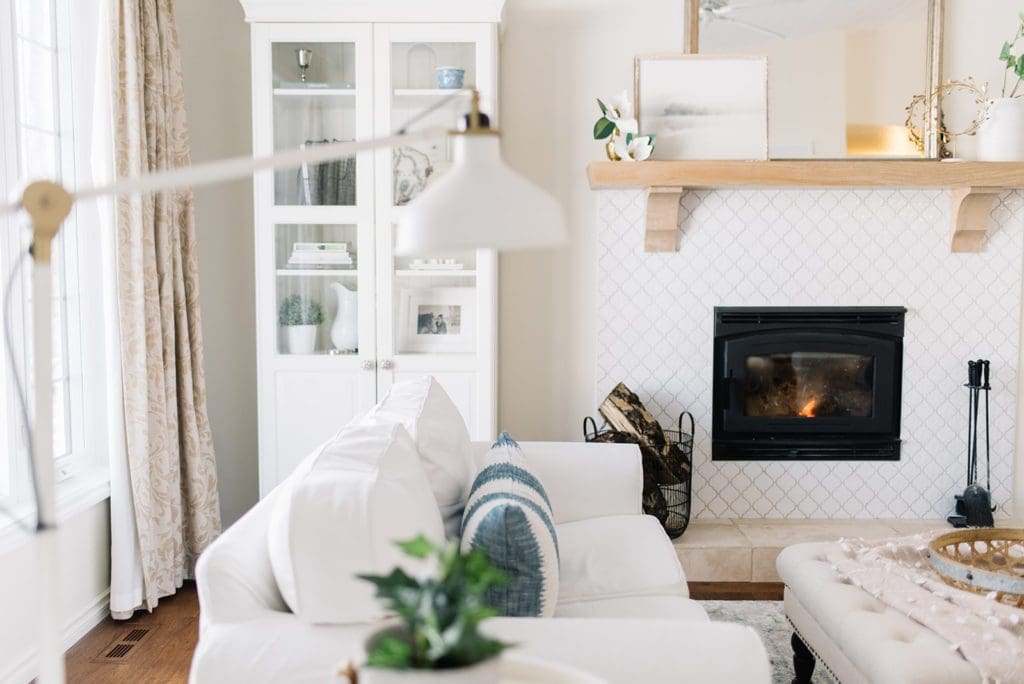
(119, 650)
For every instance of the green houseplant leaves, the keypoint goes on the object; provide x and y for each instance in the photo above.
(298, 310)
(440, 611)
(1014, 62)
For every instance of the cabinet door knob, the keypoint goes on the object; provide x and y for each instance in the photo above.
(369, 365)
(387, 365)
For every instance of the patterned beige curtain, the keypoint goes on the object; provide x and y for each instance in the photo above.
(170, 457)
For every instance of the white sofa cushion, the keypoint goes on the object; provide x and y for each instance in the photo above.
(441, 437)
(340, 514)
(616, 556)
(645, 607)
(508, 515)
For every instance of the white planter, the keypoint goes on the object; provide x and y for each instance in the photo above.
(301, 339)
(487, 672)
(1001, 137)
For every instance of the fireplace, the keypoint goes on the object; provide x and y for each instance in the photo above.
(807, 383)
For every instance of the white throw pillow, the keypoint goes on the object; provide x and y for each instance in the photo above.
(340, 515)
(441, 437)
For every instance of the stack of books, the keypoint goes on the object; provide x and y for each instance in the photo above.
(320, 255)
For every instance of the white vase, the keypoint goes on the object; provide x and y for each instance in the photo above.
(487, 672)
(301, 339)
(345, 329)
(1001, 136)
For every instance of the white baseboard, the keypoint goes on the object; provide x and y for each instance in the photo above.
(74, 629)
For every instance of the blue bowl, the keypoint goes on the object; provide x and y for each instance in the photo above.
(450, 78)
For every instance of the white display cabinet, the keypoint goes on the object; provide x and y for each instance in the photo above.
(340, 317)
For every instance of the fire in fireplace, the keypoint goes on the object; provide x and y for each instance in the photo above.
(807, 383)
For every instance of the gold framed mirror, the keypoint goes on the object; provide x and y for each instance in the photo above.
(841, 73)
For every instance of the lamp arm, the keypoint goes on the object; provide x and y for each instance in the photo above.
(211, 173)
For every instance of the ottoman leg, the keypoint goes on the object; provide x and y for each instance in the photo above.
(803, 661)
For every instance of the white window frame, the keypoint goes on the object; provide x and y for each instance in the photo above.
(83, 472)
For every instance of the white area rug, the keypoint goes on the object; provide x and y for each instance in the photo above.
(768, 620)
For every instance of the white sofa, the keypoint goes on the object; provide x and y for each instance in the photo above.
(617, 567)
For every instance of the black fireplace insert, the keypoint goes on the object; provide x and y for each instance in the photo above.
(807, 383)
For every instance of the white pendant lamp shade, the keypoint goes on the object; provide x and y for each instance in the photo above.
(479, 203)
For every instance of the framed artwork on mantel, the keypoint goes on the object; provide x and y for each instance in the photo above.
(703, 107)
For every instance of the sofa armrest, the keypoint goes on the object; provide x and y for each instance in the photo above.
(234, 578)
(586, 480)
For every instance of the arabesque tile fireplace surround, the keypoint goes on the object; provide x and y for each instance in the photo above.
(830, 247)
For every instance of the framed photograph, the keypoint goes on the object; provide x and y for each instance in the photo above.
(703, 106)
(438, 319)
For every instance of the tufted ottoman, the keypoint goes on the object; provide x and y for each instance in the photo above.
(856, 637)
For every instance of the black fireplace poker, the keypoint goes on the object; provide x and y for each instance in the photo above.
(974, 507)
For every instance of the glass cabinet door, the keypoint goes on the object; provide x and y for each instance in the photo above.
(435, 304)
(317, 288)
(315, 245)
(425, 75)
(430, 83)
(314, 95)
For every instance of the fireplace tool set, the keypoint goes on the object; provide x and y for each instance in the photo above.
(974, 507)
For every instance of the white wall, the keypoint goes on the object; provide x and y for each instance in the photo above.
(215, 61)
(557, 56)
(84, 579)
(885, 67)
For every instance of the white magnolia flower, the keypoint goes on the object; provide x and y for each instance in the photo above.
(620, 113)
(639, 148)
(622, 105)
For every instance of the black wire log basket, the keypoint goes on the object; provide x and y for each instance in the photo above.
(668, 471)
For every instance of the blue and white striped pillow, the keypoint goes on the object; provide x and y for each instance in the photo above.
(508, 515)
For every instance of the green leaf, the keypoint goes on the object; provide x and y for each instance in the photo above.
(603, 128)
(390, 652)
(1018, 68)
(603, 106)
(420, 547)
(1006, 52)
(1011, 62)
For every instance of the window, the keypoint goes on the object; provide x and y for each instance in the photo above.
(38, 129)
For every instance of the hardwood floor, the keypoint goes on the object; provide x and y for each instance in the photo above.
(163, 653)
(736, 591)
(160, 655)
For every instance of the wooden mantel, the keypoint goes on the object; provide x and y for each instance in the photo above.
(974, 186)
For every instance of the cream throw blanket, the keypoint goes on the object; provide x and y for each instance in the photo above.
(988, 634)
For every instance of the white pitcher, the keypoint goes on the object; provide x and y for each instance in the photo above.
(1001, 137)
(345, 329)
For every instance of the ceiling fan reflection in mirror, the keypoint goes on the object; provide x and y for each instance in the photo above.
(725, 11)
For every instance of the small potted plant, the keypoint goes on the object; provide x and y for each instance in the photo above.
(1001, 136)
(300, 316)
(437, 638)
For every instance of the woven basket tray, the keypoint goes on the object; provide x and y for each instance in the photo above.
(982, 560)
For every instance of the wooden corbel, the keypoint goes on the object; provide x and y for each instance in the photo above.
(970, 212)
(662, 219)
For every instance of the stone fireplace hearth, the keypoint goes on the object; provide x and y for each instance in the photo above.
(840, 247)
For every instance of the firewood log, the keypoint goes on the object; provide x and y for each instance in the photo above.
(625, 413)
